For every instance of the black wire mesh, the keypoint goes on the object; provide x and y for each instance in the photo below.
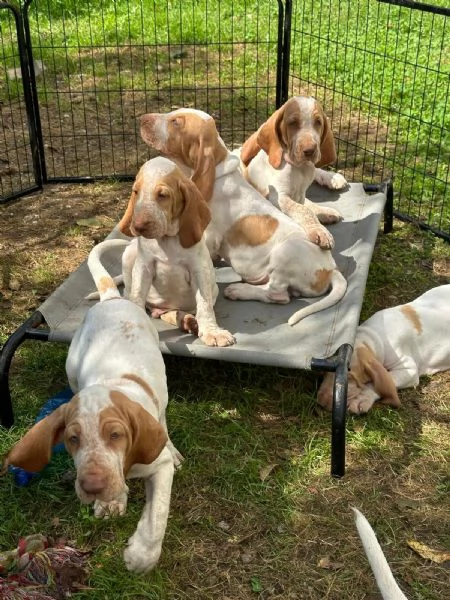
(106, 63)
(381, 70)
(16, 160)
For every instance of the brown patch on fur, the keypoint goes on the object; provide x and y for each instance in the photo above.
(252, 230)
(125, 222)
(144, 385)
(411, 314)
(105, 284)
(148, 436)
(34, 450)
(322, 280)
(368, 369)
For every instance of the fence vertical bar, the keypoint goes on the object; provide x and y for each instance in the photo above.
(37, 141)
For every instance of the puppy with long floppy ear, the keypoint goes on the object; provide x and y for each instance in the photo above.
(199, 151)
(281, 136)
(177, 197)
(368, 381)
(168, 267)
(134, 437)
(115, 425)
(282, 158)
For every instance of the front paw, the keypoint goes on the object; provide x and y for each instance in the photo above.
(321, 237)
(115, 508)
(337, 182)
(328, 216)
(139, 557)
(233, 291)
(361, 404)
(219, 337)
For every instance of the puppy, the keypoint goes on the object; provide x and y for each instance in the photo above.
(393, 349)
(115, 426)
(265, 247)
(280, 160)
(167, 267)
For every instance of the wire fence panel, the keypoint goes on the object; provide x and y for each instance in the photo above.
(382, 71)
(106, 63)
(17, 172)
(380, 68)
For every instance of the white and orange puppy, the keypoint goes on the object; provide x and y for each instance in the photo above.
(167, 267)
(393, 348)
(281, 160)
(266, 248)
(115, 426)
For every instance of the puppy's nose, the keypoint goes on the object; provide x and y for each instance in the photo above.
(93, 482)
(140, 225)
(310, 150)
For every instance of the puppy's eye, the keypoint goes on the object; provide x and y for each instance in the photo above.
(162, 194)
(176, 122)
(74, 439)
(318, 122)
(115, 435)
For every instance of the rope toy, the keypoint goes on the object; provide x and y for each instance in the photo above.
(38, 570)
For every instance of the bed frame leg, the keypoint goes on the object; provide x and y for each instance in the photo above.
(6, 356)
(339, 363)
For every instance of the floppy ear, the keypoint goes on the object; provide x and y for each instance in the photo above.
(125, 221)
(325, 394)
(148, 436)
(371, 370)
(268, 137)
(34, 450)
(250, 148)
(327, 147)
(205, 156)
(196, 214)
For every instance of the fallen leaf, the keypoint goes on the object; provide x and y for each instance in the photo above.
(326, 563)
(264, 472)
(437, 556)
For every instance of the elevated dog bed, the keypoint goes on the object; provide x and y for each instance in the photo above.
(322, 341)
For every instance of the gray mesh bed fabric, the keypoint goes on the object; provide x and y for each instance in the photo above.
(262, 333)
(261, 330)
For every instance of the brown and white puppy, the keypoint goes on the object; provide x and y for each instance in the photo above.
(393, 348)
(281, 160)
(266, 248)
(167, 267)
(115, 426)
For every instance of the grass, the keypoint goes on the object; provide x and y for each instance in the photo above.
(254, 512)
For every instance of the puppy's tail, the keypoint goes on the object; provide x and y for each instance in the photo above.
(106, 285)
(338, 289)
(386, 583)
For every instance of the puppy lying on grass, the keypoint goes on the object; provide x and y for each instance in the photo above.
(393, 349)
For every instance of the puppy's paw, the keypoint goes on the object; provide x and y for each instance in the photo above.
(327, 215)
(115, 508)
(321, 236)
(139, 557)
(219, 337)
(337, 181)
(233, 291)
(361, 404)
(176, 455)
